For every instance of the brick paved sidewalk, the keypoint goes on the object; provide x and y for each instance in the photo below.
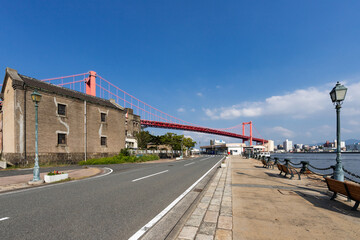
(212, 217)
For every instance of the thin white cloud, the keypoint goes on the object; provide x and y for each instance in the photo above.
(181, 110)
(199, 94)
(281, 131)
(193, 110)
(298, 104)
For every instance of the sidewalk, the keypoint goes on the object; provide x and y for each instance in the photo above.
(21, 181)
(212, 218)
(247, 201)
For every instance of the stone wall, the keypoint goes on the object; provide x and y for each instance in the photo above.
(19, 127)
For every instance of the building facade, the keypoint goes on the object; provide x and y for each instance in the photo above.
(288, 146)
(72, 126)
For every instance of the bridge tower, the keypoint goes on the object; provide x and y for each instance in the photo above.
(243, 130)
(91, 84)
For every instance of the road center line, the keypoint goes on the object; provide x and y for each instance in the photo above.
(205, 159)
(189, 164)
(149, 176)
(5, 218)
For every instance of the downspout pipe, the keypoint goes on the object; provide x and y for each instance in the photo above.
(85, 132)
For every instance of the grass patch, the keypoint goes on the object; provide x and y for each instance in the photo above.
(118, 159)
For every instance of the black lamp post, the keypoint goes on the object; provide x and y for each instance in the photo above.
(337, 95)
(36, 97)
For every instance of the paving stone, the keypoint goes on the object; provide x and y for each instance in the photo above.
(203, 205)
(226, 204)
(199, 212)
(194, 221)
(207, 228)
(188, 233)
(222, 234)
(211, 216)
(225, 222)
(204, 237)
(215, 201)
(227, 199)
(226, 211)
(214, 208)
(206, 199)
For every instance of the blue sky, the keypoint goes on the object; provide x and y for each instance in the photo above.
(213, 63)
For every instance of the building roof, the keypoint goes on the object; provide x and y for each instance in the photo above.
(26, 81)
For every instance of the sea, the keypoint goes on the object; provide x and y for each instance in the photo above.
(350, 161)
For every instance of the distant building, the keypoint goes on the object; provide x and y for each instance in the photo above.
(353, 147)
(299, 146)
(288, 145)
(269, 146)
(225, 148)
(217, 142)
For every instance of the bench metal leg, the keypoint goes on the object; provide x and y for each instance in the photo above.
(333, 196)
(355, 206)
(299, 176)
(292, 175)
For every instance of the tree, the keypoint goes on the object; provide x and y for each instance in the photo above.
(172, 140)
(143, 138)
(188, 143)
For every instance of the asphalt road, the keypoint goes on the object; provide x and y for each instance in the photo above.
(110, 207)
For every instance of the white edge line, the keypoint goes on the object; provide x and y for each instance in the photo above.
(56, 184)
(149, 176)
(189, 164)
(5, 218)
(153, 221)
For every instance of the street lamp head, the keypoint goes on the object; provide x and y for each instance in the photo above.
(338, 93)
(36, 97)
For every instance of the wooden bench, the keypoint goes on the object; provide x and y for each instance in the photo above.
(267, 164)
(287, 170)
(349, 189)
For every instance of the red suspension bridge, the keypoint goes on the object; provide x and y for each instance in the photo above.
(93, 84)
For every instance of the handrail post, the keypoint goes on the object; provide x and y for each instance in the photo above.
(286, 162)
(304, 167)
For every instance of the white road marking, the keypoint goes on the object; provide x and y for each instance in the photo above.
(149, 176)
(189, 164)
(57, 184)
(205, 159)
(153, 221)
(5, 218)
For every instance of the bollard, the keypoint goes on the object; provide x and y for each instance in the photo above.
(286, 162)
(304, 167)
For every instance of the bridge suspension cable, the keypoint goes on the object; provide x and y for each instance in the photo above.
(94, 84)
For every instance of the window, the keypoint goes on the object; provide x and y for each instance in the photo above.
(103, 117)
(62, 109)
(103, 141)
(61, 138)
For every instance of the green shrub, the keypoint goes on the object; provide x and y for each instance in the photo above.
(118, 159)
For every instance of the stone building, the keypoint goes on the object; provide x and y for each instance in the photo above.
(73, 126)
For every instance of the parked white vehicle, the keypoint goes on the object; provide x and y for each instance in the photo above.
(266, 154)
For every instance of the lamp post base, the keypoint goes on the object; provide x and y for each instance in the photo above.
(338, 172)
(32, 182)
